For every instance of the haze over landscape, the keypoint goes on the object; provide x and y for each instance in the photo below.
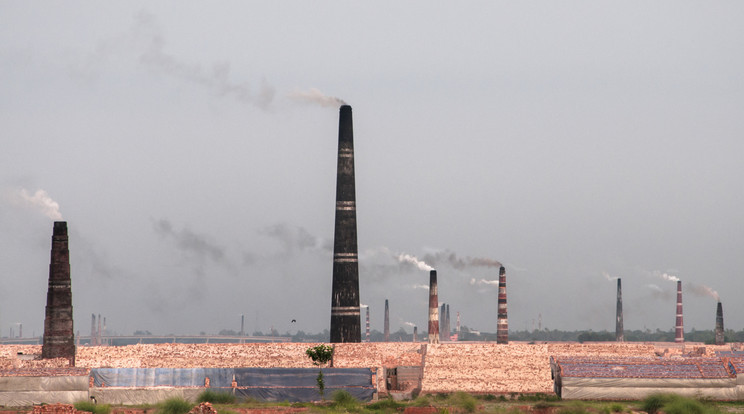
(191, 148)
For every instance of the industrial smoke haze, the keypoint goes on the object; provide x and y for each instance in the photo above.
(609, 277)
(217, 79)
(314, 96)
(473, 281)
(407, 258)
(667, 276)
(457, 262)
(702, 290)
(42, 202)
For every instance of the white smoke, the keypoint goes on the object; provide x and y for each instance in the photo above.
(314, 96)
(407, 258)
(411, 324)
(702, 290)
(473, 281)
(608, 277)
(361, 305)
(655, 288)
(666, 276)
(421, 287)
(41, 201)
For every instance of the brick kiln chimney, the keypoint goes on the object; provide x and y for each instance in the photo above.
(619, 332)
(59, 337)
(447, 322)
(367, 334)
(442, 322)
(502, 323)
(99, 331)
(387, 322)
(433, 308)
(679, 333)
(345, 315)
(719, 325)
(415, 334)
(93, 329)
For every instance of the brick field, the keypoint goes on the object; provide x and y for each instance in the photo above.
(471, 367)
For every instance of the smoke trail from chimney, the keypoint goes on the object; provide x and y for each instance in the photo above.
(314, 96)
(411, 324)
(667, 276)
(189, 241)
(702, 290)
(42, 202)
(217, 80)
(608, 277)
(473, 281)
(407, 258)
(459, 263)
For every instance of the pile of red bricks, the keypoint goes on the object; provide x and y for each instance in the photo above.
(55, 409)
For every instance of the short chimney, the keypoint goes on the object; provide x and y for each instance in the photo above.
(59, 337)
(387, 321)
(719, 325)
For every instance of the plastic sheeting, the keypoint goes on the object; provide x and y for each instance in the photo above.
(269, 384)
(648, 382)
(137, 396)
(28, 398)
(56, 383)
(631, 393)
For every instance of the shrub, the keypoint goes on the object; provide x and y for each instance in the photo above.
(174, 406)
(465, 401)
(574, 408)
(617, 408)
(92, 408)
(421, 401)
(387, 404)
(215, 397)
(654, 402)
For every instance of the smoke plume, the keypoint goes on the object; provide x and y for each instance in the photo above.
(702, 290)
(608, 277)
(42, 202)
(665, 276)
(296, 238)
(314, 96)
(459, 263)
(217, 79)
(407, 258)
(484, 282)
(411, 324)
(189, 241)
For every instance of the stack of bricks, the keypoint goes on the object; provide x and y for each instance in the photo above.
(523, 368)
(55, 409)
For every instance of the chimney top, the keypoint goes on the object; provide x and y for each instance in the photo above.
(60, 228)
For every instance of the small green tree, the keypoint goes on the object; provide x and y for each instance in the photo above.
(321, 355)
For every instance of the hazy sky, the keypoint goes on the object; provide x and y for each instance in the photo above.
(575, 142)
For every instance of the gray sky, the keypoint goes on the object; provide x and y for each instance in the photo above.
(574, 142)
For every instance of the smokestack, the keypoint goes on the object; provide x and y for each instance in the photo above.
(242, 325)
(442, 322)
(345, 316)
(433, 308)
(447, 319)
(719, 325)
(457, 330)
(502, 323)
(367, 333)
(679, 333)
(59, 337)
(619, 333)
(93, 329)
(99, 341)
(387, 322)
(415, 334)
(20, 329)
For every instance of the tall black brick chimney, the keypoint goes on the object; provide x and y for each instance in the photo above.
(345, 315)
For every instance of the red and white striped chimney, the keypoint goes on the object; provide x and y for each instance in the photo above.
(367, 333)
(679, 333)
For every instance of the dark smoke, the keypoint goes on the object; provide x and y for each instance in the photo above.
(189, 241)
(296, 238)
(217, 79)
(459, 263)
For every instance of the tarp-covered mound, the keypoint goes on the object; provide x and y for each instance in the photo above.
(636, 378)
(148, 385)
